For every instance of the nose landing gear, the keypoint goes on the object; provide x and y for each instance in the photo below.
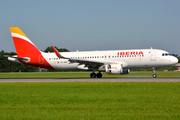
(154, 75)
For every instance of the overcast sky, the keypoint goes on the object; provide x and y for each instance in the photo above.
(93, 24)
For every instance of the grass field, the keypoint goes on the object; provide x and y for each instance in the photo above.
(82, 75)
(95, 100)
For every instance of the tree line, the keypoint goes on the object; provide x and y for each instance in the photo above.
(8, 66)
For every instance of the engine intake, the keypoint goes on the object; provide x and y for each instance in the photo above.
(115, 69)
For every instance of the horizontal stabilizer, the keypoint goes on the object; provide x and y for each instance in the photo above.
(6, 55)
(25, 59)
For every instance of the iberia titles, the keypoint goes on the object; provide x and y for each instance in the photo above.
(131, 53)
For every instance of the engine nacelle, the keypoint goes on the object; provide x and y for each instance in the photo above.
(115, 69)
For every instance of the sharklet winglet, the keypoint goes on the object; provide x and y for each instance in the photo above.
(56, 52)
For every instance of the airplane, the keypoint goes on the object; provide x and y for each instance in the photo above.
(109, 61)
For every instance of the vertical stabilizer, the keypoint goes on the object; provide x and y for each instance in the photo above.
(27, 52)
(22, 43)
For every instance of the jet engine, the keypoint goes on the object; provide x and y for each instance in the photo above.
(115, 69)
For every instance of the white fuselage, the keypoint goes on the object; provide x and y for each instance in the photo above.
(128, 58)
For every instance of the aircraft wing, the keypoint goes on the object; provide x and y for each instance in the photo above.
(87, 63)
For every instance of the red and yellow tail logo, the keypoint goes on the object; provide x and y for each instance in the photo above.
(26, 49)
(22, 43)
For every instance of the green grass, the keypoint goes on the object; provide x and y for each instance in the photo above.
(82, 75)
(83, 100)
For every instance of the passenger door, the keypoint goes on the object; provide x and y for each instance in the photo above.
(153, 55)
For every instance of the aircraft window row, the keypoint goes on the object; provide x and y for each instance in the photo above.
(129, 56)
(91, 57)
(108, 56)
(102, 57)
(54, 58)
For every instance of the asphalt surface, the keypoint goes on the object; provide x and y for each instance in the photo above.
(129, 79)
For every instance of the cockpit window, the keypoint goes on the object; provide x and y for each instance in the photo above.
(167, 54)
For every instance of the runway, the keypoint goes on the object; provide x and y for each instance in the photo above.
(129, 79)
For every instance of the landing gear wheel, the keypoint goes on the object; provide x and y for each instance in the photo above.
(99, 75)
(154, 75)
(93, 75)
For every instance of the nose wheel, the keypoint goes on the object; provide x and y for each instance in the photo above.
(154, 75)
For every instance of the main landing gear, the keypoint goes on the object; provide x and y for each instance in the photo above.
(154, 75)
(94, 75)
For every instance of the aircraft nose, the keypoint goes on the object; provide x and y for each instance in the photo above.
(174, 60)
